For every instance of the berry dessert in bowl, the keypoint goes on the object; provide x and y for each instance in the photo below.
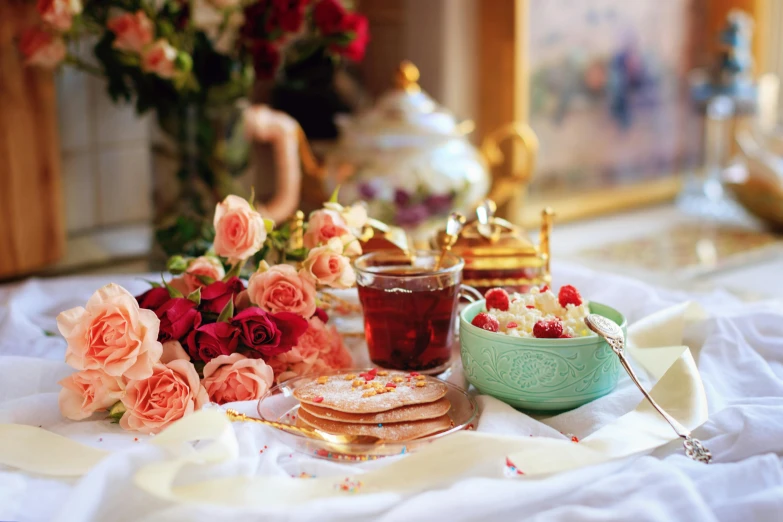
(534, 351)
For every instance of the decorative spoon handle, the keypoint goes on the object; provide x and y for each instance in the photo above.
(234, 415)
(614, 336)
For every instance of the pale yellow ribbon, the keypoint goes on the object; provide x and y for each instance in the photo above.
(654, 344)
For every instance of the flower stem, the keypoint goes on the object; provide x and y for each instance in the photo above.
(80, 64)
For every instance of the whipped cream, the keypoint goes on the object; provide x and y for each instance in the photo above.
(527, 309)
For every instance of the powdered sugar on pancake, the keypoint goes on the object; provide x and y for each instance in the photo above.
(338, 392)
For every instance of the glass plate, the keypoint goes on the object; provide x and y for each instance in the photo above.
(280, 405)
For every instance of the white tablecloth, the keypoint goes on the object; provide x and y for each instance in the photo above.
(739, 352)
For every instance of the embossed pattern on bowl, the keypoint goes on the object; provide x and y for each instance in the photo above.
(539, 374)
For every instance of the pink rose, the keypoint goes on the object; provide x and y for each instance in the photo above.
(159, 59)
(334, 355)
(42, 48)
(59, 13)
(173, 350)
(88, 391)
(231, 378)
(240, 231)
(205, 266)
(180, 285)
(322, 226)
(132, 31)
(327, 266)
(171, 392)
(281, 289)
(111, 334)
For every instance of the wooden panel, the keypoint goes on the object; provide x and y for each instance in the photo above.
(32, 231)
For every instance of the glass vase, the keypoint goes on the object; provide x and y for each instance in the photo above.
(200, 155)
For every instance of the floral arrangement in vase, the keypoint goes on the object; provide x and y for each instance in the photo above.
(208, 335)
(195, 63)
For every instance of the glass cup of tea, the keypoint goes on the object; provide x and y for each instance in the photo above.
(410, 307)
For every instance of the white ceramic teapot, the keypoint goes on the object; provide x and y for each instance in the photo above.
(407, 157)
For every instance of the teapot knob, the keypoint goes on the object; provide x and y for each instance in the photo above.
(407, 77)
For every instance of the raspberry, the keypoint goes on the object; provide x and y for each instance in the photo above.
(569, 295)
(565, 336)
(486, 322)
(497, 298)
(551, 329)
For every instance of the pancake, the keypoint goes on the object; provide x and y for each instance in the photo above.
(413, 412)
(393, 432)
(370, 392)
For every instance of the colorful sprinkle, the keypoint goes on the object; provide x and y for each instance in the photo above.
(318, 399)
(348, 485)
(391, 385)
(511, 470)
(380, 425)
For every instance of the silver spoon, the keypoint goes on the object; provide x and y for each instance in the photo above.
(613, 334)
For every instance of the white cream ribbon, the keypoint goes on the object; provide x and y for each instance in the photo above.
(654, 343)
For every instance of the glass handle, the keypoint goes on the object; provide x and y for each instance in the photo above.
(470, 294)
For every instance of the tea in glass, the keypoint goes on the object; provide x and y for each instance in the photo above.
(410, 309)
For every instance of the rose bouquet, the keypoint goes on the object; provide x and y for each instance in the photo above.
(165, 52)
(197, 64)
(207, 335)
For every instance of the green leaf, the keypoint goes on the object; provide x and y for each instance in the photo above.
(173, 292)
(298, 254)
(252, 200)
(195, 296)
(235, 271)
(269, 224)
(117, 411)
(227, 313)
(204, 279)
(333, 198)
(153, 284)
(49, 333)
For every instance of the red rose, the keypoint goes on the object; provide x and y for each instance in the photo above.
(286, 15)
(153, 298)
(328, 16)
(356, 25)
(178, 317)
(215, 296)
(266, 59)
(210, 340)
(321, 314)
(269, 334)
(291, 327)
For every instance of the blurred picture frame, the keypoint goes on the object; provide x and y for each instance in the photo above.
(604, 84)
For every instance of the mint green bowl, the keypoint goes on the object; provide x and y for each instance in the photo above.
(539, 374)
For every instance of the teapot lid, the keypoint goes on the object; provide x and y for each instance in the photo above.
(404, 110)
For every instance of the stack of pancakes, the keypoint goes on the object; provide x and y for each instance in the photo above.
(393, 406)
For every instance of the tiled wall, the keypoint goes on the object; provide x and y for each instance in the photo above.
(106, 163)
